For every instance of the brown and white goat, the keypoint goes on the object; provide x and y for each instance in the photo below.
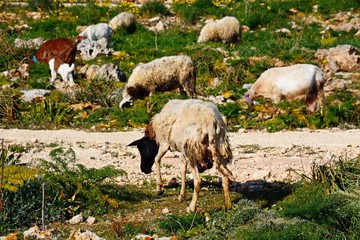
(300, 81)
(196, 129)
(61, 48)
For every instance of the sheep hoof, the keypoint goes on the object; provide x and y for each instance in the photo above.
(161, 192)
(189, 210)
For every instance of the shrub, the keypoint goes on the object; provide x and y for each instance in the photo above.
(78, 188)
(101, 91)
(46, 113)
(22, 208)
(10, 102)
(21, 196)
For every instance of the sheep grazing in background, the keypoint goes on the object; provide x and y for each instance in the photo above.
(299, 81)
(61, 48)
(163, 74)
(96, 32)
(64, 69)
(124, 20)
(196, 129)
(226, 30)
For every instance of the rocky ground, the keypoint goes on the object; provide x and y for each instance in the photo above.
(257, 154)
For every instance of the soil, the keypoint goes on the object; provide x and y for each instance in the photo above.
(258, 155)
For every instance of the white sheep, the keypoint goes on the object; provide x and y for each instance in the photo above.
(226, 30)
(64, 69)
(194, 128)
(300, 81)
(124, 20)
(96, 32)
(163, 74)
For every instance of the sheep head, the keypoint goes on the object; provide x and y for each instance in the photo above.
(131, 93)
(148, 149)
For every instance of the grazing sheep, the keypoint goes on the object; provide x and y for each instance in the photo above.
(64, 69)
(61, 48)
(226, 30)
(299, 81)
(124, 20)
(163, 74)
(96, 32)
(196, 129)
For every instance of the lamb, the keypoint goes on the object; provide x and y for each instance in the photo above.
(64, 69)
(226, 30)
(96, 32)
(61, 48)
(124, 20)
(300, 81)
(196, 129)
(164, 74)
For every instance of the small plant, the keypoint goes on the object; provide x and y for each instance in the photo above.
(47, 112)
(10, 102)
(78, 188)
(343, 175)
(101, 91)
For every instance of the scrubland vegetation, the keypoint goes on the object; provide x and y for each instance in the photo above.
(325, 205)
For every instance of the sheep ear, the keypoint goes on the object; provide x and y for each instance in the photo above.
(136, 143)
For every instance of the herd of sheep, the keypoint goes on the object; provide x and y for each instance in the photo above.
(193, 127)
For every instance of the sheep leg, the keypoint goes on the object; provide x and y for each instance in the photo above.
(183, 179)
(159, 182)
(226, 173)
(53, 76)
(225, 185)
(197, 183)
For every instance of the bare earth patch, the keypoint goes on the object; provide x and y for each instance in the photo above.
(257, 155)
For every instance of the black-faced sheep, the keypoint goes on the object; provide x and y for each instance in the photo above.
(226, 30)
(300, 81)
(124, 20)
(163, 74)
(197, 130)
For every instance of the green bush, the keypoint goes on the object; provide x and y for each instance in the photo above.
(79, 189)
(23, 208)
(101, 91)
(10, 102)
(46, 113)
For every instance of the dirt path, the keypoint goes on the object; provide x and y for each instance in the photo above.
(257, 155)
